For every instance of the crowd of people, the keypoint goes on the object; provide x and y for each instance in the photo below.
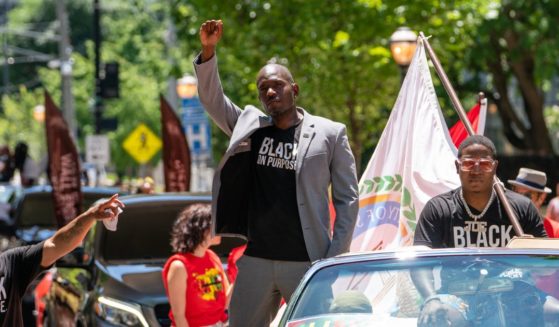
(272, 188)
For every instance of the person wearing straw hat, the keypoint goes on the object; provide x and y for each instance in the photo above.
(531, 183)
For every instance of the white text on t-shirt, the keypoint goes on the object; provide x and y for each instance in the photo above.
(492, 236)
(283, 155)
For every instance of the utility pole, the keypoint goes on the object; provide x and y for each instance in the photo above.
(171, 41)
(98, 99)
(6, 65)
(65, 50)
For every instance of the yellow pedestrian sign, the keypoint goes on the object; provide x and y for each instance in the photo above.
(142, 144)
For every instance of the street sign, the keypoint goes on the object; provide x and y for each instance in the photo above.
(142, 144)
(97, 149)
(197, 129)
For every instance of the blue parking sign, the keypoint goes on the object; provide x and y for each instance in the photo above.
(197, 128)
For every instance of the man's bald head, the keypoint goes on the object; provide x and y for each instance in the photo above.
(277, 90)
(274, 69)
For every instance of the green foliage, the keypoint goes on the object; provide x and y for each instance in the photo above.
(17, 122)
(338, 52)
(133, 36)
(408, 209)
(381, 184)
(39, 16)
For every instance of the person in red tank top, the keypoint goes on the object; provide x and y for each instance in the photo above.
(193, 276)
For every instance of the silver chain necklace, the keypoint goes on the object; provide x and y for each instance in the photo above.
(469, 212)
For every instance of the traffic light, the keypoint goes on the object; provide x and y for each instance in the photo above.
(109, 81)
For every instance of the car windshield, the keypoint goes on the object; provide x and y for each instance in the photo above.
(143, 233)
(474, 290)
(37, 209)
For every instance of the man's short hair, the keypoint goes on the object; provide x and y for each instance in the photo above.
(478, 139)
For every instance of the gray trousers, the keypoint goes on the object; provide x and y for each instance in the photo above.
(260, 285)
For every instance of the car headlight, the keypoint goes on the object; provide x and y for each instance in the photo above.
(119, 313)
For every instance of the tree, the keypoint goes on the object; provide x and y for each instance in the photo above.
(34, 29)
(338, 51)
(518, 45)
(132, 36)
(336, 54)
(18, 124)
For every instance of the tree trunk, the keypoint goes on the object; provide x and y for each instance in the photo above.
(532, 137)
(523, 70)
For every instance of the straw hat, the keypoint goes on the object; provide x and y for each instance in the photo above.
(531, 179)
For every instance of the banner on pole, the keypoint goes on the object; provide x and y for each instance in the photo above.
(413, 162)
(477, 116)
(64, 165)
(176, 155)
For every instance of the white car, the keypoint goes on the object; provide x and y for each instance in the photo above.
(473, 287)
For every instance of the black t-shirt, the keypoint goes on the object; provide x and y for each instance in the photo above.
(18, 267)
(274, 225)
(444, 222)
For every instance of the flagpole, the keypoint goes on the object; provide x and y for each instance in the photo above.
(464, 118)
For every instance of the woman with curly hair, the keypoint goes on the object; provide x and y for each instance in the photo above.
(194, 279)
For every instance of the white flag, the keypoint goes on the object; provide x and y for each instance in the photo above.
(413, 162)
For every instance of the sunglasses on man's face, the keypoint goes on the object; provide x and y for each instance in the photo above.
(469, 164)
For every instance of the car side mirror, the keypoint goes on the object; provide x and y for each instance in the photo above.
(78, 258)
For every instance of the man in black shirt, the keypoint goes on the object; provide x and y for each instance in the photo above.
(19, 266)
(470, 216)
(271, 186)
(473, 215)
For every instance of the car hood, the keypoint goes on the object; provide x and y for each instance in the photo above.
(139, 283)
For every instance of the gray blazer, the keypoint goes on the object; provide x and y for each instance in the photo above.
(324, 158)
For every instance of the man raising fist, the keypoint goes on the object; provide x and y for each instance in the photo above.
(271, 186)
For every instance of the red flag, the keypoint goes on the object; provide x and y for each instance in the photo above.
(176, 155)
(64, 165)
(476, 116)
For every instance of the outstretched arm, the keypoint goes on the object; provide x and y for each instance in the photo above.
(210, 91)
(70, 236)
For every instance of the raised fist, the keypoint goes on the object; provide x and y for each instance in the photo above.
(210, 33)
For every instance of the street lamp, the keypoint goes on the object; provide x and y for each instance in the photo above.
(39, 113)
(198, 132)
(187, 87)
(402, 46)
